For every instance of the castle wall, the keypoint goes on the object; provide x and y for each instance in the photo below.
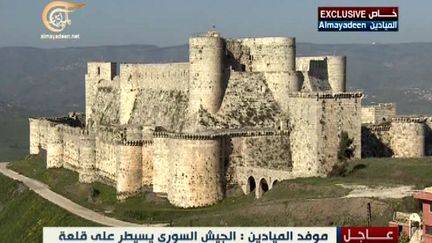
(428, 136)
(408, 138)
(54, 147)
(152, 92)
(71, 151)
(163, 156)
(376, 114)
(128, 170)
(323, 73)
(376, 141)
(317, 122)
(248, 103)
(244, 174)
(147, 164)
(96, 71)
(196, 175)
(87, 163)
(267, 152)
(35, 133)
(339, 115)
(106, 159)
(272, 56)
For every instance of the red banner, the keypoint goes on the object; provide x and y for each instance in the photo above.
(369, 234)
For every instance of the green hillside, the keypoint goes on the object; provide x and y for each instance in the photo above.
(23, 214)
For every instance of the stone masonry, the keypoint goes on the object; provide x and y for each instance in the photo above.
(241, 111)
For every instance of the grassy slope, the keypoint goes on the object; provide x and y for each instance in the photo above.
(23, 214)
(289, 203)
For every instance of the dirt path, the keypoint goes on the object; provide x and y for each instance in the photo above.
(378, 192)
(44, 191)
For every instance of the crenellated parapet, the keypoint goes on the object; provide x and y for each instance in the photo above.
(219, 134)
(322, 96)
(408, 119)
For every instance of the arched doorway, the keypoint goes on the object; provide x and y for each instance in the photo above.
(251, 184)
(263, 185)
(274, 183)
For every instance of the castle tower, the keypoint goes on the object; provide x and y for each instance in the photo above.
(54, 148)
(87, 159)
(197, 172)
(129, 169)
(34, 136)
(408, 137)
(336, 66)
(96, 71)
(275, 58)
(207, 72)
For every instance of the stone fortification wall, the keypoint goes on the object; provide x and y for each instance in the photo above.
(408, 137)
(196, 175)
(35, 136)
(128, 170)
(274, 57)
(149, 87)
(267, 152)
(54, 147)
(376, 141)
(161, 76)
(244, 176)
(106, 160)
(104, 104)
(96, 71)
(248, 104)
(317, 122)
(428, 136)
(159, 108)
(323, 73)
(379, 113)
(87, 160)
(189, 171)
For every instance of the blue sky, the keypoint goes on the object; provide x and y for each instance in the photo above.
(166, 23)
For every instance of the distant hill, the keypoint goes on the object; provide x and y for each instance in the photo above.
(51, 81)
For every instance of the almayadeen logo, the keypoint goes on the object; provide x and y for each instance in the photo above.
(55, 18)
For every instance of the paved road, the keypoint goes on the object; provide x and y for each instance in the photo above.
(44, 191)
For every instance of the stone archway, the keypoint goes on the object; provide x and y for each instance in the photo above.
(263, 187)
(274, 183)
(251, 185)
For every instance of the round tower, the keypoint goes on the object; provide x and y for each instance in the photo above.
(34, 136)
(129, 169)
(336, 66)
(207, 64)
(54, 148)
(408, 138)
(87, 159)
(196, 174)
(275, 58)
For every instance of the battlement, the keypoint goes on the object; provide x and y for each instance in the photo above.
(408, 119)
(380, 128)
(220, 134)
(319, 95)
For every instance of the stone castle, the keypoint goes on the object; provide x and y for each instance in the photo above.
(241, 111)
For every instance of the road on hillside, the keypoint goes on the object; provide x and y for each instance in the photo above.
(43, 190)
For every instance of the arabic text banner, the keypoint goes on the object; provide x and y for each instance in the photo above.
(190, 234)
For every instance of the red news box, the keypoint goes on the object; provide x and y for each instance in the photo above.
(369, 235)
(358, 13)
